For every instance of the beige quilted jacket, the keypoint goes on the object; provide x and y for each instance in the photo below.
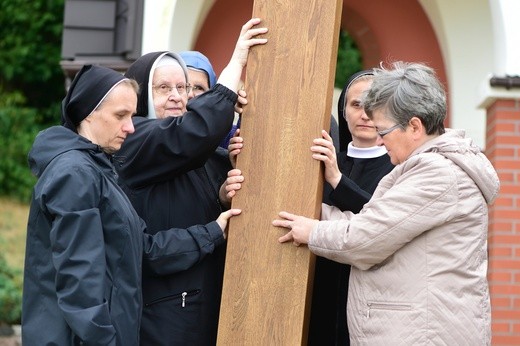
(418, 249)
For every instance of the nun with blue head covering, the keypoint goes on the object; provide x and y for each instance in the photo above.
(202, 77)
(85, 243)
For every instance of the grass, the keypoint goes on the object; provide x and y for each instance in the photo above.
(13, 227)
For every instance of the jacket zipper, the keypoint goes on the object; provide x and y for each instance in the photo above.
(182, 297)
(387, 306)
(184, 294)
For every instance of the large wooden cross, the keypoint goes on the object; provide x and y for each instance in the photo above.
(290, 82)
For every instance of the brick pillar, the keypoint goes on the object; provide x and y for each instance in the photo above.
(503, 149)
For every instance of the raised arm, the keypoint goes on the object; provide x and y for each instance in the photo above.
(160, 149)
(230, 76)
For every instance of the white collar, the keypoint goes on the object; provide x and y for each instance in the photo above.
(365, 153)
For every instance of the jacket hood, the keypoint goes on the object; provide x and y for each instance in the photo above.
(141, 70)
(53, 142)
(454, 146)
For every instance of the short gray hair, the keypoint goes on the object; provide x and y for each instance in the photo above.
(405, 91)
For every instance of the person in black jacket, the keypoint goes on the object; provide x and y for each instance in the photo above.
(161, 168)
(351, 177)
(85, 242)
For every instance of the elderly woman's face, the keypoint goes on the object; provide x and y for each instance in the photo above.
(166, 83)
(360, 126)
(398, 141)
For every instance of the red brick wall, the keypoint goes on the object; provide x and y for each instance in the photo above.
(503, 149)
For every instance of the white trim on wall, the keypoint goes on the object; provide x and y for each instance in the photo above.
(506, 34)
(507, 52)
(464, 30)
(173, 24)
(157, 23)
(477, 38)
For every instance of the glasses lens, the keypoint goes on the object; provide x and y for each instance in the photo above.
(162, 89)
(387, 131)
(181, 88)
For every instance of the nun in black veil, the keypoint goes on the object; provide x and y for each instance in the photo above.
(351, 177)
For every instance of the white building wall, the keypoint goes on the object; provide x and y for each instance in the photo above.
(507, 37)
(464, 30)
(173, 24)
(507, 51)
(478, 38)
(158, 15)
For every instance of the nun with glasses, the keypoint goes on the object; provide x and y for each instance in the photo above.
(351, 175)
(162, 170)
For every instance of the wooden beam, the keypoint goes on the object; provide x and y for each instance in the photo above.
(290, 82)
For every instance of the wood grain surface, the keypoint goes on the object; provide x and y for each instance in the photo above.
(289, 81)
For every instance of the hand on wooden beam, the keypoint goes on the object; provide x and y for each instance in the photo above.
(323, 150)
(241, 102)
(236, 143)
(229, 188)
(300, 228)
(224, 217)
(230, 75)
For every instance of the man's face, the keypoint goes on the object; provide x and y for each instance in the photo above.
(199, 82)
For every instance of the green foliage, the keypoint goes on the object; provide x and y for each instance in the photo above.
(15, 177)
(30, 49)
(31, 84)
(18, 127)
(349, 60)
(10, 293)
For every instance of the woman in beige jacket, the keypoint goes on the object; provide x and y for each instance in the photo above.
(418, 248)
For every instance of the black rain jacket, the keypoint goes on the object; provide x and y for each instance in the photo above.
(85, 245)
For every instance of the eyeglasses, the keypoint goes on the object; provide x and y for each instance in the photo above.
(387, 131)
(164, 89)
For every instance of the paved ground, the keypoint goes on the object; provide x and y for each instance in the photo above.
(10, 341)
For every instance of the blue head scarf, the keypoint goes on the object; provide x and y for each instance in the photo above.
(199, 61)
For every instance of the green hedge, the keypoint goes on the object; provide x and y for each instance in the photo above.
(10, 294)
(349, 59)
(18, 128)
